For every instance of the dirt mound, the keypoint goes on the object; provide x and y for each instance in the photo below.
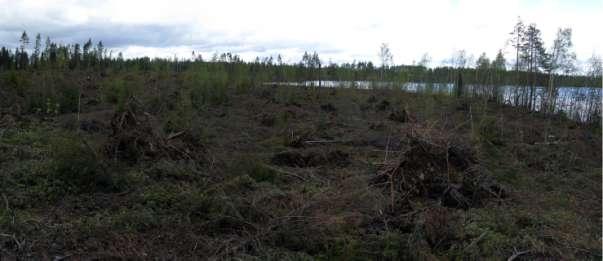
(136, 136)
(383, 105)
(450, 174)
(265, 119)
(311, 158)
(328, 107)
(401, 116)
(91, 126)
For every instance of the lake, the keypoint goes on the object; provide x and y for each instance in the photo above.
(578, 103)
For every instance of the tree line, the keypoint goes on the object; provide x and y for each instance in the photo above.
(535, 65)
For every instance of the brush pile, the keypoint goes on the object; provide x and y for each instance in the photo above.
(136, 136)
(448, 173)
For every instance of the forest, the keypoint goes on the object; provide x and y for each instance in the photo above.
(106, 157)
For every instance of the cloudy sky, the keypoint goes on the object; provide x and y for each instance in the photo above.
(340, 31)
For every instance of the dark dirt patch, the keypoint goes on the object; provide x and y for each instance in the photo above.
(441, 226)
(383, 105)
(265, 119)
(311, 158)
(378, 126)
(401, 116)
(91, 126)
(328, 107)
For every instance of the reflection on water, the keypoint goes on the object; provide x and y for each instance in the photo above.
(579, 103)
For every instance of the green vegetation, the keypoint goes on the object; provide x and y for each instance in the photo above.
(290, 173)
(105, 157)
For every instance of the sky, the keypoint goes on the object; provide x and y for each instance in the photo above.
(340, 31)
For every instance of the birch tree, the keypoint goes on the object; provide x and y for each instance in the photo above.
(560, 59)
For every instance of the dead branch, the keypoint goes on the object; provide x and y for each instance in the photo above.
(174, 135)
(322, 141)
(517, 254)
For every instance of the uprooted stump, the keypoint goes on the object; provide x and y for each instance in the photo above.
(450, 174)
(135, 136)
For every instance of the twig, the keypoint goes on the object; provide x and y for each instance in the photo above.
(386, 148)
(474, 242)
(377, 150)
(517, 254)
(322, 141)
(285, 172)
(174, 135)
(14, 238)
(6, 202)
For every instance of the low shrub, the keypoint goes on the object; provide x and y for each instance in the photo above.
(488, 131)
(118, 91)
(207, 89)
(68, 99)
(75, 168)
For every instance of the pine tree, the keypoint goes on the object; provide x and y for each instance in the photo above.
(75, 57)
(23, 58)
(482, 62)
(100, 49)
(499, 63)
(533, 54)
(87, 55)
(35, 57)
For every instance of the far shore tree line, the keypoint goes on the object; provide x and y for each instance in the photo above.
(534, 65)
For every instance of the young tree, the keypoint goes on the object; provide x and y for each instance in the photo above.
(483, 62)
(306, 60)
(87, 55)
(45, 57)
(517, 40)
(499, 66)
(459, 59)
(499, 63)
(560, 59)
(24, 41)
(35, 57)
(386, 57)
(533, 54)
(595, 65)
(5, 59)
(316, 64)
(53, 54)
(425, 60)
(23, 58)
(482, 73)
(75, 57)
(100, 52)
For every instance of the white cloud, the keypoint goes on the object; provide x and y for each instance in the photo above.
(339, 30)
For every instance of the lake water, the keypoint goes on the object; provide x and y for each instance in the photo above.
(578, 103)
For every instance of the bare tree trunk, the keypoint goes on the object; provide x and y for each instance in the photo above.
(551, 97)
(319, 80)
